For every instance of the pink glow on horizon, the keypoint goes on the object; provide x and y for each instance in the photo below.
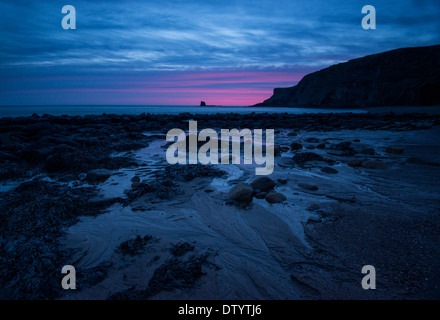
(188, 101)
(146, 90)
(167, 88)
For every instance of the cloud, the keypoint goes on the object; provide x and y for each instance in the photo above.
(145, 37)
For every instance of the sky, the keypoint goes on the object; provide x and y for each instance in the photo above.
(228, 52)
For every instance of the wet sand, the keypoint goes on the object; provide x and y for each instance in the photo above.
(202, 245)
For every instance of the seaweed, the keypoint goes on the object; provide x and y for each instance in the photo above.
(87, 278)
(33, 217)
(189, 172)
(135, 246)
(173, 274)
(181, 248)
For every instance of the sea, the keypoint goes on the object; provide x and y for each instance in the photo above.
(25, 111)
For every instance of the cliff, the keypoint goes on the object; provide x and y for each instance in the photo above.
(402, 77)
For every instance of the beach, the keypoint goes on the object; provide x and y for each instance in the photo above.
(96, 192)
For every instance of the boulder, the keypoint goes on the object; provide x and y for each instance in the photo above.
(275, 197)
(241, 192)
(263, 184)
(136, 179)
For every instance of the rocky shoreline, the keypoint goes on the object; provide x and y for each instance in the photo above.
(347, 190)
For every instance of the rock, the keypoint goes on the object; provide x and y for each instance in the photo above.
(336, 153)
(282, 181)
(313, 206)
(189, 172)
(296, 146)
(307, 186)
(394, 78)
(374, 164)
(394, 150)
(135, 179)
(263, 184)
(102, 203)
(167, 183)
(98, 175)
(368, 151)
(275, 197)
(314, 219)
(329, 170)
(37, 128)
(312, 140)
(304, 157)
(416, 160)
(202, 103)
(342, 198)
(241, 192)
(7, 156)
(276, 150)
(67, 178)
(344, 147)
(260, 195)
(8, 140)
(136, 185)
(320, 146)
(354, 163)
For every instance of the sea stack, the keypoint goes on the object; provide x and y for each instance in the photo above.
(202, 104)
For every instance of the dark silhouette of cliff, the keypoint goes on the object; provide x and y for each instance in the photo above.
(402, 77)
